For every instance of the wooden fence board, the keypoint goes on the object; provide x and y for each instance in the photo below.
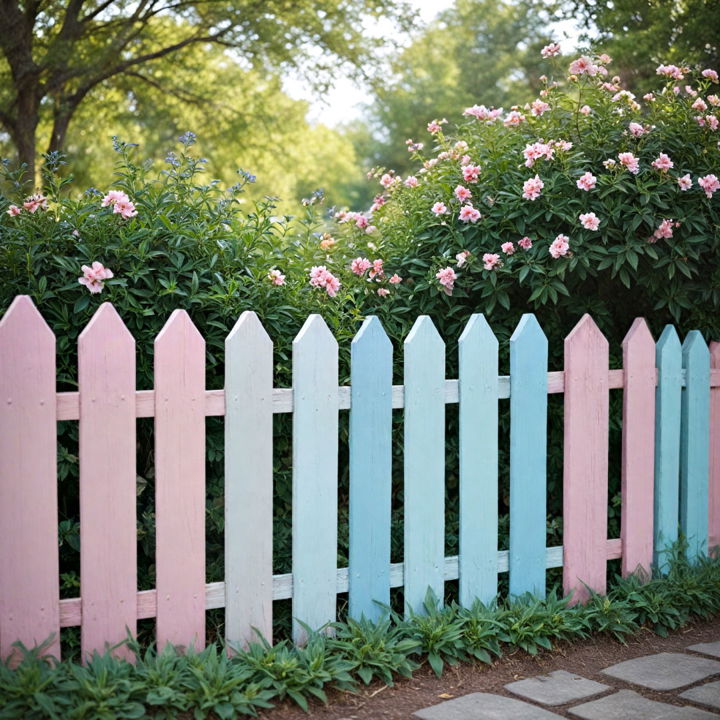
(638, 449)
(180, 482)
(248, 482)
(478, 359)
(695, 444)
(528, 457)
(714, 488)
(108, 494)
(424, 521)
(315, 476)
(370, 470)
(29, 572)
(585, 473)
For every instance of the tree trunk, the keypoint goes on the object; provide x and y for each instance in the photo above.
(23, 135)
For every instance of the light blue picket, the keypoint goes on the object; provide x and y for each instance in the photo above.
(528, 457)
(248, 482)
(424, 373)
(668, 359)
(315, 475)
(695, 444)
(370, 470)
(478, 391)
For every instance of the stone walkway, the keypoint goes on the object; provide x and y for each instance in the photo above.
(680, 676)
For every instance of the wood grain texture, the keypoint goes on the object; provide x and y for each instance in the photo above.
(424, 521)
(638, 449)
(370, 470)
(180, 482)
(528, 457)
(585, 473)
(108, 493)
(248, 482)
(714, 479)
(29, 572)
(668, 395)
(478, 360)
(315, 477)
(695, 444)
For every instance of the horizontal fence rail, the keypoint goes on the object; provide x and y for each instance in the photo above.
(670, 467)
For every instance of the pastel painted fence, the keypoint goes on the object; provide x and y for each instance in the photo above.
(670, 470)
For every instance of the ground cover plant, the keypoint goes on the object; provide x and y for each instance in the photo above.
(209, 684)
(587, 200)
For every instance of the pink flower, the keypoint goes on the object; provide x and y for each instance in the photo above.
(508, 248)
(94, 276)
(361, 222)
(332, 285)
(321, 277)
(672, 71)
(636, 129)
(439, 208)
(14, 210)
(586, 182)
(559, 246)
(700, 120)
(609, 163)
(525, 243)
(360, 265)
(714, 100)
(532, 188)
(583, 66)
(471, 173)
(462, 257)
(387, 180)
(604, 58)
(114, 196)
(477, 111)
(664, 230)
(685, 182)
(435, 126)
(411, 181)
(35, 202)
(513, 119)
(377, 269)
(462, 193)
(276, 277)
(561, 145)
(662, 162)
(585, 110)
(590, 221)
(125, 208)
(712, 122)
(447, 277)
(550, 50)
(538, 150)
(395, 279)
(465, 160)
(469, 214)
(699, 105)
(491, 261)
(538, 107)
(630, 162)
(649, 97)
(710, 184)
(370, 229)
(710, 75)
(383, 292)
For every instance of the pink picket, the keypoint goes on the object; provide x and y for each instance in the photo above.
(714, 485)
(180, 483)
(108, 497)
(638, 448)
(585, 477)
(29, 569)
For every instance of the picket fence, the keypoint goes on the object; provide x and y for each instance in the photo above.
(670, 470)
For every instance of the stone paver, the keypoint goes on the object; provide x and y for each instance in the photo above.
(711, 648)
(708, 694)
(664, 671)
(484, 706)
(556, 688)
(628, 705)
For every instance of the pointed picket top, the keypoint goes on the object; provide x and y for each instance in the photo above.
(247, 330)
(528, 330)
(586, 330)
(423, 331)
(314, 329)
(695, 349)
(669, 344)
(23, 323)
(179, 324)
(639, 336)
(372, 334)
(106, 326)
(478, 331)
